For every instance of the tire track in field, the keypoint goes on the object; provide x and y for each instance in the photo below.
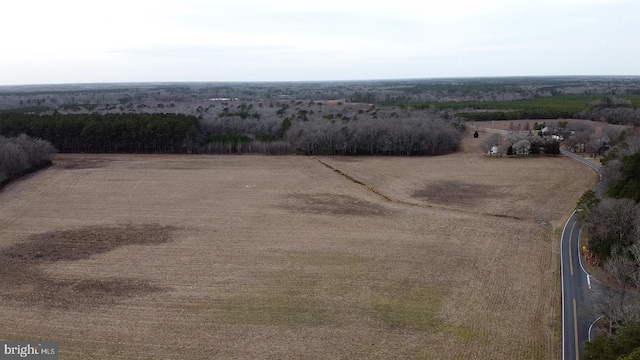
(390, 199)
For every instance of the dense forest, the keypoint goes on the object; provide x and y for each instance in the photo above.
(136, 133)
(240, 127)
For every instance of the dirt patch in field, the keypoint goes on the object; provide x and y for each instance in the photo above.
(458, 193)
(333, 204)
(22, 278)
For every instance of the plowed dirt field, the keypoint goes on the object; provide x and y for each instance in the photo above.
(287, 257)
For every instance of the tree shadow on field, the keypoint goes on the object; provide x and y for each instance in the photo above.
(459, 193)
(23, 281)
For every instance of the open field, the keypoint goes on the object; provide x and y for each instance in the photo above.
(504, 124)
(559, 103)
(546, 107)
(288, 257)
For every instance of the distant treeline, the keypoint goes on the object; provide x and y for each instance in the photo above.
(243, 129)
(611, 109)
(22, 155)
(124, 97)
(110, 133)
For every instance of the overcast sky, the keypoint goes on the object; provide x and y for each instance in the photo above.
(69, 41)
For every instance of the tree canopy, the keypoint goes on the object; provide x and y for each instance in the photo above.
(110, 133)
(628, 185)
(623, 345)
(247, 128)
(21, 155)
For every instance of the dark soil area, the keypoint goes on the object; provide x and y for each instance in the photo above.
(334, 204)
(22, 279)
(457, 193)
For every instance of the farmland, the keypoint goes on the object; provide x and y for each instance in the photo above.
(554, 107)
(174, 256)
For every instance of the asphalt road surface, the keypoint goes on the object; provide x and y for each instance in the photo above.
(578, 287)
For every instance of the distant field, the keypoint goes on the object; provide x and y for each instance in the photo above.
(506, 124)
(287, 257)
(552, 107)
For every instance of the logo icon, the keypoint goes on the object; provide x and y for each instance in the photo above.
(41, 350)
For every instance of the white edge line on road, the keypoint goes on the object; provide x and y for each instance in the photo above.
(589, 281)
(593, 323)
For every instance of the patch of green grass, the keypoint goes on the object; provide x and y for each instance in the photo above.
(290, 297)
(316, 272)
(275, 308)
(319, 258)
(417, 309)
(552, 107)
(299, 295)
(372, 351)
(272, 307)
(464, 334)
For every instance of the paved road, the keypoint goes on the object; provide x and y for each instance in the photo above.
(578, 287)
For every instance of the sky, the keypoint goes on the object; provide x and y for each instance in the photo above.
(83, 41)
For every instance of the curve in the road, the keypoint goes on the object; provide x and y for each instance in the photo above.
(576, 283)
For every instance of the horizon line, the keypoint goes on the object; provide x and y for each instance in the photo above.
(435, 78)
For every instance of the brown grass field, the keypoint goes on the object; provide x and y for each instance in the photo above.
(288, 257)
(504, 124)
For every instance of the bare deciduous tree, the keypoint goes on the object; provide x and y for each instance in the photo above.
(611, 226)
(620, 303)
(492, 140)
(22, 154)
